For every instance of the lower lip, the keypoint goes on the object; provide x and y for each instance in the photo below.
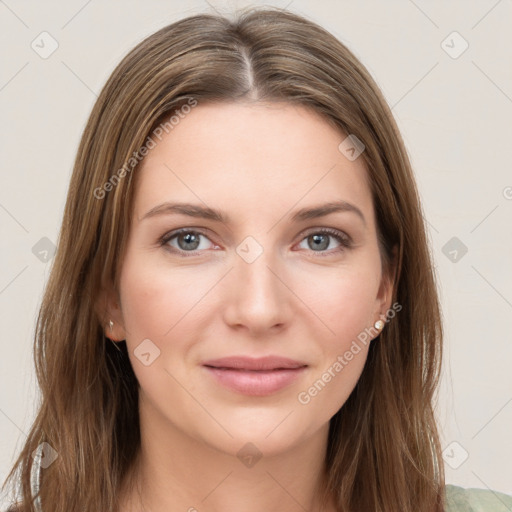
(255, 383)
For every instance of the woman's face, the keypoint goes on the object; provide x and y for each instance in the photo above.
(277, 277)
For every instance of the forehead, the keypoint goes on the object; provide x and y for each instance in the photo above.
(242, 156)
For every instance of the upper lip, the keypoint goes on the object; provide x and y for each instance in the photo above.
(254, 363)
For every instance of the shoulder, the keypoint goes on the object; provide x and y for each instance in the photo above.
(459, 499)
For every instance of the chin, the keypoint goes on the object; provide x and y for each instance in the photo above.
(271, 432)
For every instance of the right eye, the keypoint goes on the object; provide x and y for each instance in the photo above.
(187, 240)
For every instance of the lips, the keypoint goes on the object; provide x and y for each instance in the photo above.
(255, 376)
(255, 364)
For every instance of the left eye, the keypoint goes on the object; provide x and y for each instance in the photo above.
(319, 241)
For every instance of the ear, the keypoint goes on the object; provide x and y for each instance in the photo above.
(107, 307)
(385, 293)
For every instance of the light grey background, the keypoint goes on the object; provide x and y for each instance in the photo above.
(455, 116)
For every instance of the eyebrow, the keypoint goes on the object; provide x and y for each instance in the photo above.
(204, 212)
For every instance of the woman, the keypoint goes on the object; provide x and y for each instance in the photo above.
(242, 313)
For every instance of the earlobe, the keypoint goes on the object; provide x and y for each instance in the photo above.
(109, 314)
(387, 284)
(379, 325)
(386, 291)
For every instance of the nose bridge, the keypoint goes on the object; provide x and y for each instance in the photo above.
(259, 298)
(253, 268)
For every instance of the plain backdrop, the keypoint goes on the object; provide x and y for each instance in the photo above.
(443, 67)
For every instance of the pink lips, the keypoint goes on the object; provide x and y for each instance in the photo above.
(255, 376)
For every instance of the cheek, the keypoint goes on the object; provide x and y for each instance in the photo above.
(144, 299)
(156, 301)
(328, 391)
(157, 306)
(343, 301)
(346, 304)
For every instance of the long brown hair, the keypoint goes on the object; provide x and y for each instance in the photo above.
(383, 449)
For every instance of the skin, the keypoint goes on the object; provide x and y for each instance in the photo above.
(258, 163)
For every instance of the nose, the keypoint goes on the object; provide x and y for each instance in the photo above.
(259, 300)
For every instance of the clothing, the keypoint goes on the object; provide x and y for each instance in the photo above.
(459, 499)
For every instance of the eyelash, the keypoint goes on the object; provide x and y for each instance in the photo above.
(344, 240)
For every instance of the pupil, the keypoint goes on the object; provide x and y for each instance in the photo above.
(190, 238)
(318, 241)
